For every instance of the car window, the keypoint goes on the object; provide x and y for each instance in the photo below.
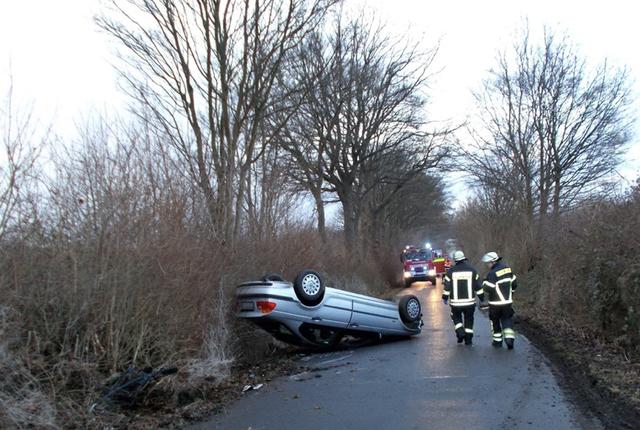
(417, 255)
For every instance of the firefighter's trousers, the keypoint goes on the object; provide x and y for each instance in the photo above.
(502, 323)
(463, 329)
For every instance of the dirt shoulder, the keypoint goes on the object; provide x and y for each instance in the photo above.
(177, 402)
(599, 377)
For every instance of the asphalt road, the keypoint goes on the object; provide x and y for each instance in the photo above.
(426, 382)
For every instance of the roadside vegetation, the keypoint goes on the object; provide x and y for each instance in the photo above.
(122, 246)
(552, 130)
(288, 134)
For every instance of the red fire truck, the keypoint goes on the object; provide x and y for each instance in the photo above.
(417, 266)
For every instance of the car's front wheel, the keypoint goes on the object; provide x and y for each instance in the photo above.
(309, 287)
(410, 310)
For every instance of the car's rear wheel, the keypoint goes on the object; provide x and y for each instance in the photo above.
(273, 277)
(309, 287)
(410, 309)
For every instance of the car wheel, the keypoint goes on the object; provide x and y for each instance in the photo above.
(273, 277)
(432, 279)
(410, 310)
(309, 287)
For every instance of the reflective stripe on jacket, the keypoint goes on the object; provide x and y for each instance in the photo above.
(500, 284)
(462, 284)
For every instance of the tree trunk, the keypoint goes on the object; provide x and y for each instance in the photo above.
(349, 218)
(557, 188)
(223, 223)
(237, 220)
(317, 196)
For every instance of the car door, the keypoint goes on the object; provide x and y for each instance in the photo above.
(335, 310)
(371, 314)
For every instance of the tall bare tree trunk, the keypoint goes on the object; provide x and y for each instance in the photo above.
(557, 190)
(317, 197)
(349, 218)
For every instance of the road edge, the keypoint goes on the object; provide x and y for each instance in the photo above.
(583, 390)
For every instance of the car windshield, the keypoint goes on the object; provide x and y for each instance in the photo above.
(417, 255)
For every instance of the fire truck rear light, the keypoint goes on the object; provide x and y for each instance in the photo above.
(265, 307)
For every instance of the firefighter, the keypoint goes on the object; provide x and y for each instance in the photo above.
(438, 262)
(461, 285)
(499, 285)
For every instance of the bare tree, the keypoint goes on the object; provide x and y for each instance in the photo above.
(582, 120)
(302, 159)
(21, 146)
(271, 198)
(551, 127)
(304, 169)
(207, 69)
(398, 215)
(362, 108)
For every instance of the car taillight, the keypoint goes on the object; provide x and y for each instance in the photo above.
(265, 307)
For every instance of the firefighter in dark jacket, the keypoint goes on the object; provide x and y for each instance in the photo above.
(461, 285)
(499, 286)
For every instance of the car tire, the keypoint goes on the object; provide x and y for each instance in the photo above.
(432, 279)
(273, 277)
(309, 287)
(410, 309)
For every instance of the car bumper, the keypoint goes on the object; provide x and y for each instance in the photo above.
(421, 276)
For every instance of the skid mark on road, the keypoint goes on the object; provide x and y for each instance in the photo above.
(321, 366)
(324, 363)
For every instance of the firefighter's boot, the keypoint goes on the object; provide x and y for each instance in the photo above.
(468, 339)
(509, 337)
(497, 340)
(460, 334)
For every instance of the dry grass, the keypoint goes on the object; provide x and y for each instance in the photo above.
(22, 401)
(115, 264)
(84, 314)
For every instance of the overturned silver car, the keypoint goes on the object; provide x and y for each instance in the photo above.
(306, 312)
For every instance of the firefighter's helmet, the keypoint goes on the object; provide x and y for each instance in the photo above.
(459, 256)
(490, 257)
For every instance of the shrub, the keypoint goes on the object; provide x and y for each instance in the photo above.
(585, 270)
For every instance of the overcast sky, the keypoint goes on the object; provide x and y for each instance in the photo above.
(61, 63)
